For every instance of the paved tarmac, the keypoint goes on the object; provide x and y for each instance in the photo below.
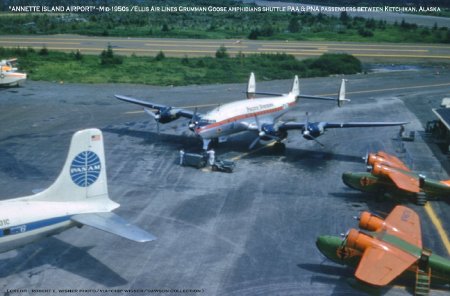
(251, 232)
(393, 52)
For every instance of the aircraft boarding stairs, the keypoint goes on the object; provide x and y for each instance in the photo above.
(423, 275)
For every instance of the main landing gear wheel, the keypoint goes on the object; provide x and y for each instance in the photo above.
(214, 143)
(279, 147)
(421, 198)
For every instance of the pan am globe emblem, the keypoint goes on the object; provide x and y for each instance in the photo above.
(85, 168)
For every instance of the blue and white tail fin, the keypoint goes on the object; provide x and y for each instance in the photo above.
(84, 173)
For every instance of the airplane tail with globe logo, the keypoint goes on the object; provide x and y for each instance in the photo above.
(81, 191)
(84, 173)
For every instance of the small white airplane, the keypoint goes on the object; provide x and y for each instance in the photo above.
(260, 115)
(8, 65)
(9, 75)
(78, 197)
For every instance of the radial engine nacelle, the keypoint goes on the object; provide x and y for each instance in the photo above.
(313, 130)
(372, 158)
(371, 222)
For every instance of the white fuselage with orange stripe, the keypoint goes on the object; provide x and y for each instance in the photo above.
(240, 115)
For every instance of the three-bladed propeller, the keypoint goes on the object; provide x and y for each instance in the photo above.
(194, 121)
(264, 131)
(307, 131)
(156, 116)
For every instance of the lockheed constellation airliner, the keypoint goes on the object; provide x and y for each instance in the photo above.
(259, 115)
(79, 196)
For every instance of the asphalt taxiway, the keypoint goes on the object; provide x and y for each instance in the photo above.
(251, 232)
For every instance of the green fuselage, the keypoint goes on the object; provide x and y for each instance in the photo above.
(331, 247)
(369, 183)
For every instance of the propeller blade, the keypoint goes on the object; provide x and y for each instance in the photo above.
(317, 141)
(306, 134)
(257, 123)
(194, 117)
(156, 117)
(193, 122)
(151, 113)
(366, 157)
(255, 141)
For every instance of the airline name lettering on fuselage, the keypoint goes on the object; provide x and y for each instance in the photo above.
(259, 108)
(85, 169)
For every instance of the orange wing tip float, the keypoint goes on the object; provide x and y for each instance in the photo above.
(385, 249)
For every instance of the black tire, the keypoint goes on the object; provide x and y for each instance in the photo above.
(214, 143)
(421, 198)
(214, 168)
(279, 147)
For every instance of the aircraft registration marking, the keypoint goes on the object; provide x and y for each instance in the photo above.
(405, 215)
(4, 222)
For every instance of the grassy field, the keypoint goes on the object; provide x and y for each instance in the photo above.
(159, 70)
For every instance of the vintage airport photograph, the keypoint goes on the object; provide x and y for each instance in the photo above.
(229, 148)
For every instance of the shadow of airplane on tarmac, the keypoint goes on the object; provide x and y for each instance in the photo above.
(60, 255)
(237, 143)
(343, 278)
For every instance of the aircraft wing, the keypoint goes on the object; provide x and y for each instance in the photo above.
(327, 125)
(379, 267)
(394, 160)
(404, 181)
(182, 112)
(114, 224)
(407, 224)
(360, 124)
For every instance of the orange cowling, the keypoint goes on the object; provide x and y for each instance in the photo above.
(380, 170)
(446, 182)
(357, 240)
(373, 158)
(370, 222)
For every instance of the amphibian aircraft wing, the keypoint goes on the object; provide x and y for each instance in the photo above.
(393, 161)
(404, 181)
(405, 225)
(380, 265)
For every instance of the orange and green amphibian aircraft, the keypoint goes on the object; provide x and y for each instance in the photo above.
(386, 174)
(382, 250)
